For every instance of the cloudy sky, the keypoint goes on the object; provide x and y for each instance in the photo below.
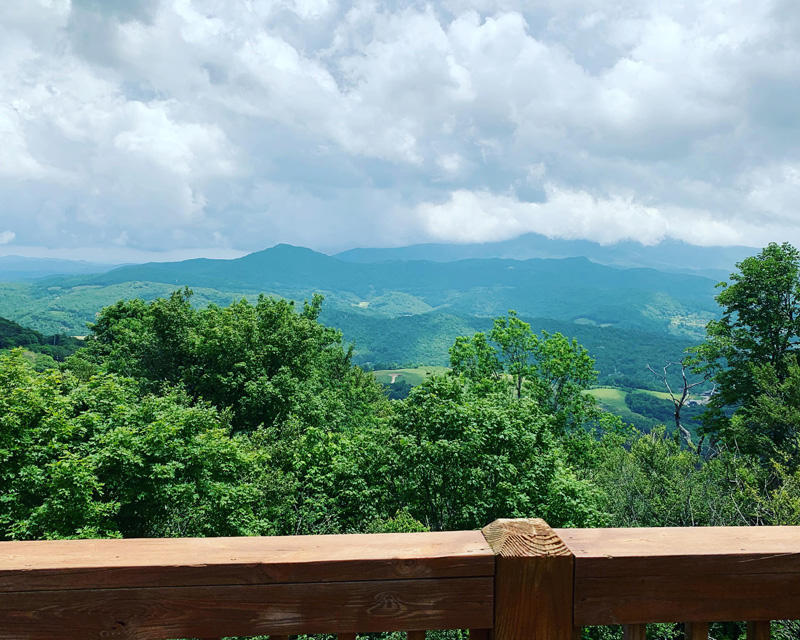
(216, 127)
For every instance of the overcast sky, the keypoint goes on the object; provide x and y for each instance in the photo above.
(220, 127)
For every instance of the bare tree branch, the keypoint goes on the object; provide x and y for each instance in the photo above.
(679, 402)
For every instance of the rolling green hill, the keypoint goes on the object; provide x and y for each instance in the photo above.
(13, 335)
(16, 268)
(574, 289)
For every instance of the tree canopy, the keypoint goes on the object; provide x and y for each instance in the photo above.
(252, 419)
(549, 368)
(751, 351)
(267, 363)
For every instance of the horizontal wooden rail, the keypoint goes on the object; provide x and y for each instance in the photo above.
(518, 579)
(697, 574)
(214, 587)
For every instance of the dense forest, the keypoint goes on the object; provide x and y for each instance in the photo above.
(252, 419)
(44, 350)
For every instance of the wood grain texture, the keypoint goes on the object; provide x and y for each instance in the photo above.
(758, 630)
(632, 576)
(693, 597)
(97, 564)
(673, 550)
(288, 609)
(533, 581)
(695, 630)
(525, 537)
(634, 632)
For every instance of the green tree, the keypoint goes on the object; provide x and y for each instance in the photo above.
(652, 481)
(95, 458)
(550, 368)
(267, 363)
(756, 339)
(517, 347)
(768, 424)
(465, 458)
(475, 358)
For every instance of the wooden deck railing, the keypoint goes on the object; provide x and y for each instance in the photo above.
(516, 580)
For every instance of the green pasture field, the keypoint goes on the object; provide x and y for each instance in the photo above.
(413, 376)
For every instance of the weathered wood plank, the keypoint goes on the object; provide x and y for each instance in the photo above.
(97, 564)
(758, 630)
(674, 550)
(533, 581)
(692, 597)
(628, 576)
(634, 632)
(695, 631)
(237, 610)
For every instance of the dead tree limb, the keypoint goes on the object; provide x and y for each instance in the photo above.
(678, 399)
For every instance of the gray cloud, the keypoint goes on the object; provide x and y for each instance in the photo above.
(214, 126)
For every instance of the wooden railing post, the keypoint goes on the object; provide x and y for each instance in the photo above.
(696, 631)
(634, 632)
(533, 581)
(758, 630)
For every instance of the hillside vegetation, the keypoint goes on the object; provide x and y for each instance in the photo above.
(251, 419)
(574, 289)
(57, 347)
(621, 355)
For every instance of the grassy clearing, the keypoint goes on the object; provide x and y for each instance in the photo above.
(613, 400)
(615, 395)
(413, 376)
(609, 396)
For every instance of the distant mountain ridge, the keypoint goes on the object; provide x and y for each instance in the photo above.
(571, 289)
(15, 268)
(668, 255)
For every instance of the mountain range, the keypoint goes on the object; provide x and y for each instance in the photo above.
(574, 289)
(24, 268)
(668, 255)
(402, 311)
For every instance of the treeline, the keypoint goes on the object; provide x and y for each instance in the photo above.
(57, 347)
(251, 419)
(621, 355)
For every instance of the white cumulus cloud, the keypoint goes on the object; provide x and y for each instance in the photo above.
(230, 125)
